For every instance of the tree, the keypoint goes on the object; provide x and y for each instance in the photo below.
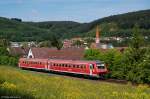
(45, 44)
(3, 51)
(4, 43)
(57, 43)
(92, 54)
(134, 58)
(136, 45)
(78, 43)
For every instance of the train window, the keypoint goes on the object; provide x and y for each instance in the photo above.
(69, 65)
(100, 66)
(84, 67)
(62, 65)
(81, 67)
(66, 65)
(74, 66)
(77, 66)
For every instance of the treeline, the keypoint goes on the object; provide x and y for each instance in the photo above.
(132, 65)
(118, 25)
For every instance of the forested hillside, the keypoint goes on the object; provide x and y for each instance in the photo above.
(116, 25)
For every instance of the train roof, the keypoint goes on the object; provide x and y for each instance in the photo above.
(62, 60)
(33, 59)
(74, 61)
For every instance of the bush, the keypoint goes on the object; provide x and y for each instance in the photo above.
(7, 60)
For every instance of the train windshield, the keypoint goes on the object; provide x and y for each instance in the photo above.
(100, 65)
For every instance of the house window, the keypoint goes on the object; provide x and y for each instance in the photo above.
(30, 56)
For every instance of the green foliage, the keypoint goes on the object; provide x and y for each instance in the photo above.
(132, 65)
(5, 59)
(92, 54)
(45, 44)
(56, 42)
(78, 43)
(111, 57)
(4, 43)
(117, 25)
(3, 51)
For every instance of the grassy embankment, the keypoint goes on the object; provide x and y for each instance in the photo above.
(29, 84)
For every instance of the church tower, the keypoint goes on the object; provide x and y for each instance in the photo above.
(97, 40)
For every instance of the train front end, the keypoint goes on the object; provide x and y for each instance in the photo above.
(101, 69)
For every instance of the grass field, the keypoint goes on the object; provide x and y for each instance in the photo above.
(30, 84)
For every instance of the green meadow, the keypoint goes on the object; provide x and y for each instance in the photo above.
(25, 84)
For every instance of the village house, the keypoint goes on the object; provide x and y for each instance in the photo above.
(53, 53)
(18, 51)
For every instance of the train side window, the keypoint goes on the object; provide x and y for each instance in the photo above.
(66, 65)
(74, 66)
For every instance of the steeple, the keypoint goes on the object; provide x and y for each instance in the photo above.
(97, 40)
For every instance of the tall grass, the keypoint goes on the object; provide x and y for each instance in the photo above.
(43, 86)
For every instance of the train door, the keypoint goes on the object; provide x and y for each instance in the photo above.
(91, 66)
(48, 65)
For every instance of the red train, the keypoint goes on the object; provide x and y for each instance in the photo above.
(91, 68)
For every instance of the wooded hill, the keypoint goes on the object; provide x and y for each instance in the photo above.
(115, 25)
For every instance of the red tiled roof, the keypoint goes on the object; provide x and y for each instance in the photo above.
(66, 53)
(15, 51)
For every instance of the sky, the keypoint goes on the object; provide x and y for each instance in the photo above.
(68, 10)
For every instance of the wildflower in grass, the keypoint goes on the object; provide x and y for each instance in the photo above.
(115, 93)
(8, 85)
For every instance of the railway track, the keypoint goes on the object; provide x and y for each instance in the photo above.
(81, 77)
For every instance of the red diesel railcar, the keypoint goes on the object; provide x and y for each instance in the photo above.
(91, 68)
